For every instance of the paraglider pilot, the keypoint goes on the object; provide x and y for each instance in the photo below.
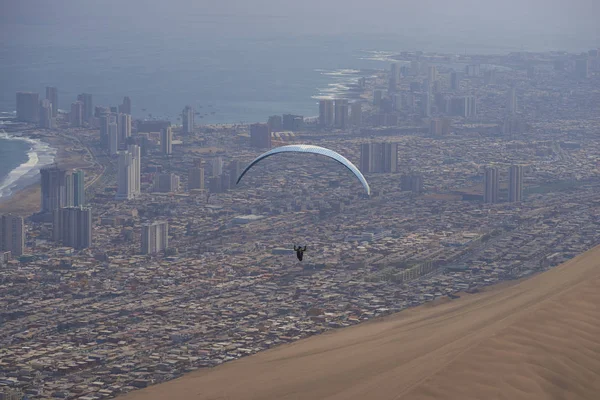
(299, 252)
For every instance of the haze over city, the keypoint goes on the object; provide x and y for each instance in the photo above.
(303, 200)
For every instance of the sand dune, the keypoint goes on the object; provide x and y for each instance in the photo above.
(537, 339)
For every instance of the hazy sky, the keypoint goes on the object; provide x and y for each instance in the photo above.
(513, 19)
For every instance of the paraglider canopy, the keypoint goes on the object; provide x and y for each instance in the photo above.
(307, 148)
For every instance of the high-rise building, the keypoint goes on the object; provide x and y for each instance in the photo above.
(166, 141)
(260, 136)
(12, 234)
(70, 189)
(515, 184)
(275, 123)
(125, 108)
(489, 77)
(412, 183)
(45, 115)
(28, 107)
(217, 166)
(511, 101)
(394, 77)
(454, 81)
(431, 73)
(128, 173)
(234, 169)
(472, 70)
(196, 178)
(426, 104)
(582, 68)
(471, 103)
(166, 183)
(341, 113)
(415, 67)
(292, 122)
(390, 157)
(155, 237)
(188, 120)
(54, 190)
(491, 189)
(76, 115)
(356, 114)
(73, 227)
(52, 95)
(124, 126)
(113, 139)
(326, 116)
(136, 169)
(88, 107)
(378, 157)
(377, 96)
(78, 188)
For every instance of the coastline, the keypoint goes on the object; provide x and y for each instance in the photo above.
(19, 190)
(39, 155)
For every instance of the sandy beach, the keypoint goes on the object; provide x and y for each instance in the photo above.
(26, 201)
(534, 339)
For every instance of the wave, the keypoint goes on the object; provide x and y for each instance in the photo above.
(39, 155)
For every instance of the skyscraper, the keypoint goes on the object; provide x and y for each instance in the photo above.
(73, 227)
(54, 191)
(356, 114)
(196, 178)
(275, 123)
(515, 184)
(28, 107)
(326, 112)
(88, 108)
(511, 101)
(260, 136)
(52, 95)
(426, 104)
(76, 115)
(234, 169)
(188, 120)
(490, 194)
(136, 169)
(78, 188)
(125, 107)
(166, 183)
(431, 73)
(377, 96)
(12, 234)
(389, 157)
(166, 141)
(217, 166)
(124, 126)
(128, 172)
(378, 157)
(155, 237)
(46, 119)
(341, 113)
(113, 139)
(454, 81)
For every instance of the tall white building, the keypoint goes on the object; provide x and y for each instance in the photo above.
(341, 113)
(217, 166)
(155, 237)
(124, 127)
(128, 185)
(113, 139)
(166, 140)
(188, 120)
(46, 118)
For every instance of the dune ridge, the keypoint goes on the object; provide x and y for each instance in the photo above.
(536, 339)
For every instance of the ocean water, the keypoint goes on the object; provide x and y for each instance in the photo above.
(20, 161)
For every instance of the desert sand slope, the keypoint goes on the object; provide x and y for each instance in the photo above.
(538, 339)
